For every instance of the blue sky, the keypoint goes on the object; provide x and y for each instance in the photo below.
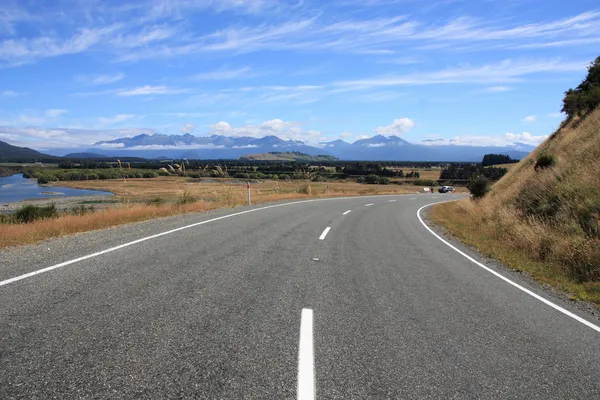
(73, 72)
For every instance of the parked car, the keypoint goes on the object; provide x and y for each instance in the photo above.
(446, 189)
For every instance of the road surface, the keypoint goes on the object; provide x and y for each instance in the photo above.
(335, 299)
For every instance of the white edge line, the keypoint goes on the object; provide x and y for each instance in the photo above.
(347, 212)
(109, 250)
(324, 234)
(306, 363)
(391, 201)
(368, 205)
(488, 269)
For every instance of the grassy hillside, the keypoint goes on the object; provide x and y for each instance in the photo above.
(544, 215)
(10, 153)
(286, 156)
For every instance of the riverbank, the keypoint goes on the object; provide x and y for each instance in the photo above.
(62, 203)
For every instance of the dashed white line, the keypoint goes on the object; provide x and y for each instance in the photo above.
(413, 198)
(368, 205)
(491, 271)
(325, 232)
(306, 363)
(124, 245)
(347, 212)
(391, 201)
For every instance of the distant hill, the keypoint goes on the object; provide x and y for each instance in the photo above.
(10, 153)
(85, 155)
(287, 156)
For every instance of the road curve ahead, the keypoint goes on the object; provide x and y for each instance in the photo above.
(333, 299)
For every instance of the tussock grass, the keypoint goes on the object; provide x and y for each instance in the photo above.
(544, 215)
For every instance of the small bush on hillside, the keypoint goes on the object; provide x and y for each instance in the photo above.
(360, 179)
(544, 161)
(30, 213)
(479, 186)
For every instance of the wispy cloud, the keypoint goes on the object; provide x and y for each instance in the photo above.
(55, 113)
(116, 119)
(530, 118)
(102, 79)
(151, 90)
(224, 74)
(505, 71)
(497, 89)
(11, 93)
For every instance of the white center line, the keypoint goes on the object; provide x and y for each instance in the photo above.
(368, 205)
(325, 232)
(391, 201)
(347, 212)
(306, 363)
(413, 198)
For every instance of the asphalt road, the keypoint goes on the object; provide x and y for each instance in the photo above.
(215, 311)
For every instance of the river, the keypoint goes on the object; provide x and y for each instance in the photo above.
(16, 188)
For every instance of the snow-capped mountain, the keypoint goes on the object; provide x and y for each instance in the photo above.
(384, 148)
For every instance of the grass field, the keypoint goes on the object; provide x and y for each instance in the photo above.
(143, 199)
(169, 188)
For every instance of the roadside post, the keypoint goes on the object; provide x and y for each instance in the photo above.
(248, 187)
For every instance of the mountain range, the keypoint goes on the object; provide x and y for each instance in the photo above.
(384, 148)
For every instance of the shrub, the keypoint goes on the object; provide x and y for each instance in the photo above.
(384, 180)
(360, 179)
(81, 209)
(478, 186)
(274, 176)
(93, 177)
(305, 189)
(157, 201)
(29, 213)
(372, 179)
(149, 174)
(425, 182)
(545, 161)
(186, 198)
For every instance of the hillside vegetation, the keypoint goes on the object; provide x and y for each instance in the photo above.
(544, 215)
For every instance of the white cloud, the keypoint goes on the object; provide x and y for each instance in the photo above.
(398, 127)
(48, 138)
(116, 119)
(525, 137)
(530, 118)
(285, 130)
(150, 90)
(509, 139)
(187, 128)
(55, 113)
(497, 89)
(11, 93)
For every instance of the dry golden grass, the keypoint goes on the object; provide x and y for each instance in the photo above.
(208, 196)
(140, 190)
(545, 221)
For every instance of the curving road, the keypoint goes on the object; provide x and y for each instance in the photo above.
(339, 299)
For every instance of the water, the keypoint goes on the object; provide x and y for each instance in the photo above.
(17, 188)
